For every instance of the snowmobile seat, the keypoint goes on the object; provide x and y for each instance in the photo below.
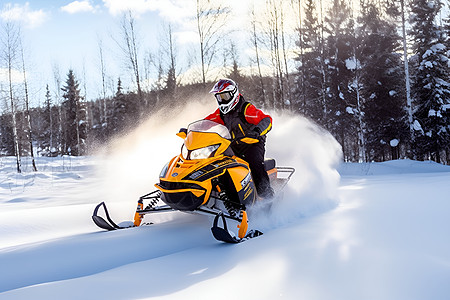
(269, 163)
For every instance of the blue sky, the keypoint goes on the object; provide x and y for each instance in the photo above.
(65, 34)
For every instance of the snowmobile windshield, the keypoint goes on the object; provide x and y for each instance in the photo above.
(209, 126)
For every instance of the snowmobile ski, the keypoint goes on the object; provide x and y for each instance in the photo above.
(102, 223)
(223, 235)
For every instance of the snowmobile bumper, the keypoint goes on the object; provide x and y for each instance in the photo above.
(182, 196)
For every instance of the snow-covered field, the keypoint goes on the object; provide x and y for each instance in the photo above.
(342, 231)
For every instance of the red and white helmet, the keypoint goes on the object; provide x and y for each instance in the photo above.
(227, 94)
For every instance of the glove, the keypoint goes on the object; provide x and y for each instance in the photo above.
(253, 134)
(182, 133)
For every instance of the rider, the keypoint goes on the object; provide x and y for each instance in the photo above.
(243, 119)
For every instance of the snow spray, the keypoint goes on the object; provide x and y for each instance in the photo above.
(134, 161)
(314, 153)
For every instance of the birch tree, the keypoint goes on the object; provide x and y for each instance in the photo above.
(103, 106)
(27, 109)
(211, 18)
(130, 48)
(255, 43)
(10, 42)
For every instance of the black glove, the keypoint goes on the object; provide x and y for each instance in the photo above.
(254, 134)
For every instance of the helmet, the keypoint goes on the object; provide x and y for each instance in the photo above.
(227, 94)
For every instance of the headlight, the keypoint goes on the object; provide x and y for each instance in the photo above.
(184, 152)
(164, 171)
(202, 153)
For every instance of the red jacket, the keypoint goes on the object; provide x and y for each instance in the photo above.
(255, 118)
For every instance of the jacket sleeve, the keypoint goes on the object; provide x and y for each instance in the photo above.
(215, 117)
(262, 122)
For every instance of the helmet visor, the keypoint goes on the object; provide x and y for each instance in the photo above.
(224, 98)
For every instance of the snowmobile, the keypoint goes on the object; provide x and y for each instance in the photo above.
(206, 178)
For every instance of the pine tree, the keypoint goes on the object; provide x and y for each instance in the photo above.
(74, 131)
(340, 97)
(310, 72)
(171, 84)
(446, 39)
(121, 109)
(48, 122)
(382, 87)
(6, 135)
(431, 89)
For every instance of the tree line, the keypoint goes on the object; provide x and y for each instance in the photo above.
(377, 78)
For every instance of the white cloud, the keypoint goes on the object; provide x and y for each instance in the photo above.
(78, 6)
(186, 37)
(16, 76)
(138, 7)
(176, 11)
(23, 13)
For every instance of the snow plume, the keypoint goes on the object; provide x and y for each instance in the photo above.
(315, 155)
(133, 162)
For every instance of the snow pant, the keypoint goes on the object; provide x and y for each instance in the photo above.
(254, 155)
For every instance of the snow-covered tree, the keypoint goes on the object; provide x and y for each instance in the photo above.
(431, 89)
(381, 85)
(340, 96)
(310, 76)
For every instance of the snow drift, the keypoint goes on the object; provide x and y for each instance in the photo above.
(317, 242)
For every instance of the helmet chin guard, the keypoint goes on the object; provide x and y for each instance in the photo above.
(226, 108)
(227, 94)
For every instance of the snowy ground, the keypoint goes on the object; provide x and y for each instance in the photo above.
(348, 231)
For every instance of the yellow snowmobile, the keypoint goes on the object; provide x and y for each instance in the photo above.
(206, 178)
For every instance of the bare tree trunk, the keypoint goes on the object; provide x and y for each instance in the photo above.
(170, 51)
(60, 139)
(14, 123)
(322, 69)
(407, 81)
(283, 47)
(10, 43)
(50, 117)
(359, 100)
(131, 51)
(273, 35)
(258, 63)
(302, 62)
(201, 35)
(103, 108)
(27, 113)
(211, 18)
